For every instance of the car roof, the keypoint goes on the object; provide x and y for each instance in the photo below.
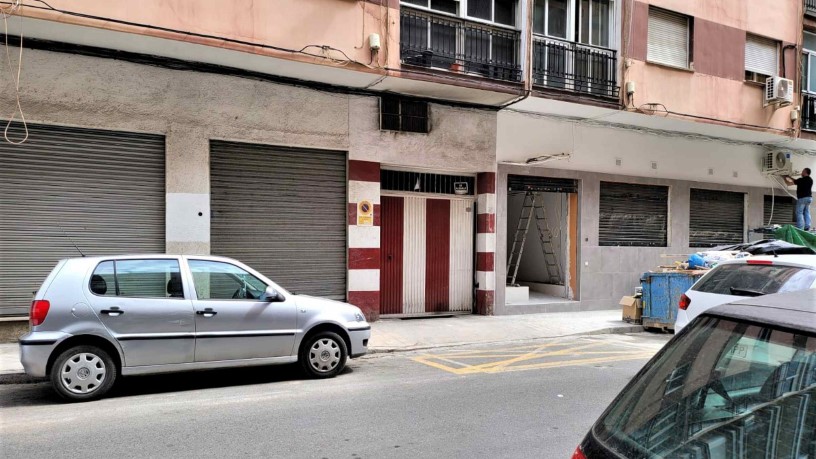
(138, 256)
(792, 260)
(794, 310)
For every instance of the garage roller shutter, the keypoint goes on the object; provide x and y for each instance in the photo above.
(103, 189)
(783, 210)
(716, 218)
(543, 184)
(283, 212)
(633, 215)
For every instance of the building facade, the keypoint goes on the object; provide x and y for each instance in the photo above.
(382, 152)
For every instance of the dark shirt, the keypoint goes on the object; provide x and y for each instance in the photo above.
(803, 187)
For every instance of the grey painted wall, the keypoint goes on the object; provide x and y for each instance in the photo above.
(605, 274)
(190, 108)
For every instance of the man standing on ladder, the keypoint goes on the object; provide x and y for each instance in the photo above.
(804, 196)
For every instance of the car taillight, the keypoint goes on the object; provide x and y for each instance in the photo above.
(39, 309)
(578, 454)
(685, 301)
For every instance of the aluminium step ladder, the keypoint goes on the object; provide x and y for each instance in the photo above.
(533, 209)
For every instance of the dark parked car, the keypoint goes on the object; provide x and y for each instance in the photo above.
(738, 382)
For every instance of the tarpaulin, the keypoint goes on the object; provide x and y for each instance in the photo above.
(794, 235)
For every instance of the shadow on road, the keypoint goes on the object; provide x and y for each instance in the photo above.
(22, 390)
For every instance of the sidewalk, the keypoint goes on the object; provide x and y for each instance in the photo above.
(395, 335)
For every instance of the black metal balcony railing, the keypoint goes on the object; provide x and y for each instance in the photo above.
(810, 7)
(809, 112)
(438, 41)
(575, 67)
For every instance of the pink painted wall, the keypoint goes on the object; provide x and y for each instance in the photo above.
(779, 19)
(293, 24)
(716, 88)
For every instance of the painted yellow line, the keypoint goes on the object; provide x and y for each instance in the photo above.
(452, 361)
(436, 365)
(565, 363)
(536, 355)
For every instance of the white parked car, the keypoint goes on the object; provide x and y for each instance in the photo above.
(755, 276)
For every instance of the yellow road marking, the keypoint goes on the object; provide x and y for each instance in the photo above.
(568, 363)
(522, 360)
(531, 355)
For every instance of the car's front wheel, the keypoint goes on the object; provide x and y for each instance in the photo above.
(323, 355)
(83, 373)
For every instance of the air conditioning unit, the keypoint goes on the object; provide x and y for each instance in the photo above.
(777, 162)
(778, 91)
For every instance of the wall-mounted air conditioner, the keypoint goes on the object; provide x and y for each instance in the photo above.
(778, 91)
(777, 162)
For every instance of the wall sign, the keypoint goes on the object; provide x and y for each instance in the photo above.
(365, 213)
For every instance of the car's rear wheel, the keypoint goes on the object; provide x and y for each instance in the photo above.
(83, 373)
(323, 355)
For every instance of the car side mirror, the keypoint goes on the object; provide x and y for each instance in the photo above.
(271, 295)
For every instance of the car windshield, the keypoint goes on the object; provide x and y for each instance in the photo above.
(724, 389)
(755, 280)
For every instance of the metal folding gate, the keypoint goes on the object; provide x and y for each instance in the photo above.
(282, 211)
(426, 255)
(633, 215)
(716, 218)
(103, 190)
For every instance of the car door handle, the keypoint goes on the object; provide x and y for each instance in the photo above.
(208, 312)
(113, 312)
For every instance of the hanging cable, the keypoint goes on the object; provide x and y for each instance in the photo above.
(7, 11)
(773, 201)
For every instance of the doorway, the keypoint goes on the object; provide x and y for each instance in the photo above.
(541, 240)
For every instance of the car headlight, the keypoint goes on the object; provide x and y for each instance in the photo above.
(359, 317)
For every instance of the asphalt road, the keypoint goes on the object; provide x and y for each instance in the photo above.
(530, 399)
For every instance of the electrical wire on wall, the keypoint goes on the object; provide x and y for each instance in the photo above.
(783, 187)
(324, 50)
(7, 11)
(594, 122)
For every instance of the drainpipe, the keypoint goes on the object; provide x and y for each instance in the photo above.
(527, 54)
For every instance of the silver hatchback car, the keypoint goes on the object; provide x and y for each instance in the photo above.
(96, 318)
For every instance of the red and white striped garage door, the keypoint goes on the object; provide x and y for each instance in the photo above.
(427, 255)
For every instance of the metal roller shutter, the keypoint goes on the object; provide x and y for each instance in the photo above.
(716, 218)
(282, 211)
(761, 55)
(668, 38)
(543, 184)
(784, 208)
(633, 215)
(103, 189)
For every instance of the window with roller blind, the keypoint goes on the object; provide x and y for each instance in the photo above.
(668, 38)
(761, 58)
(809, 63)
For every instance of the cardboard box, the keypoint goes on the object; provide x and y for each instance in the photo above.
(632, 309)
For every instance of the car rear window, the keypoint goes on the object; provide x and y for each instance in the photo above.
(755, 280)
(724, 389)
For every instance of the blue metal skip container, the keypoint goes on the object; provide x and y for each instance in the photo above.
(661, 296)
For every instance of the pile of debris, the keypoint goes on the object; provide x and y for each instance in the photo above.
(711, 258)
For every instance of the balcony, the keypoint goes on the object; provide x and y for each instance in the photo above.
(467, 47)
(809, 112)
(575, 67)
(810, 7)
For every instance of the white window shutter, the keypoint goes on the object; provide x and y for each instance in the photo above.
(761, 55)
(668, 41)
